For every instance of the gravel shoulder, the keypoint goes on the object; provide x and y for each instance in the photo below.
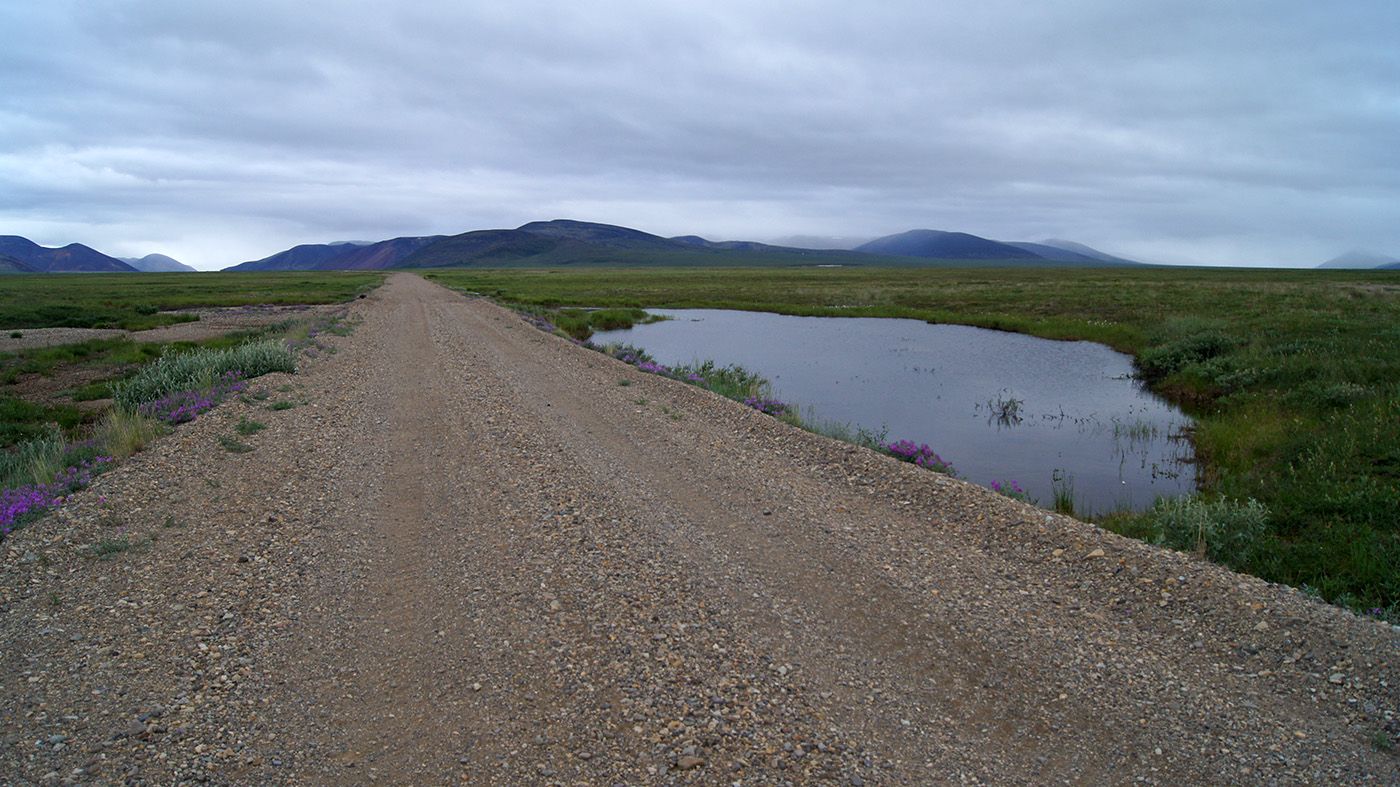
(475, 553)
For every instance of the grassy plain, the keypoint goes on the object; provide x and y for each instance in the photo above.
(1293, 376)
(133, 301)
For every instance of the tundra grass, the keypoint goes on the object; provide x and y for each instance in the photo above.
(135, 301)
(1293, 376)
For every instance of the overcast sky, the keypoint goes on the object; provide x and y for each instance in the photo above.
(1221, 133)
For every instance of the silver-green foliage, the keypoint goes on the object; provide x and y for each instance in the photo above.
(198, 370)
(1225, 531)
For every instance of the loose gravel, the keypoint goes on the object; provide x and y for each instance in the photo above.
(468, 553)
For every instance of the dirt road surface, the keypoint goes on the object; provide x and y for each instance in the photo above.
(474, 553)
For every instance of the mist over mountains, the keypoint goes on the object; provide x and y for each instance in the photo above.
(157, 263)
(1362, 260)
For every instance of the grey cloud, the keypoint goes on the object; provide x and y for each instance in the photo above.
(1190, 128)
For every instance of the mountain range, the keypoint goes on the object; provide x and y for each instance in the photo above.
(73, 258)
(565, 242)
(568, 243)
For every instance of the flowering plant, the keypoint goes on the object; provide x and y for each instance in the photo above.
(921, 455)
(1012, 490)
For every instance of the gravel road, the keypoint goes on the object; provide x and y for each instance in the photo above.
(474, 553)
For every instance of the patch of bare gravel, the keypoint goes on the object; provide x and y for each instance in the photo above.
(470, 554)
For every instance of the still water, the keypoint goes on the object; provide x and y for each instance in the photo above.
(998, 406)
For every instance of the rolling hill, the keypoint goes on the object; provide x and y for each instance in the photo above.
(157, 263)
(565, 242)
(344, 255)
(73, 258)
(939, 245)
(10, 264)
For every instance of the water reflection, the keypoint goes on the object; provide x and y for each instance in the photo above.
(999, 406)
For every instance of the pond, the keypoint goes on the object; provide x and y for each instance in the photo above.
(999, 406)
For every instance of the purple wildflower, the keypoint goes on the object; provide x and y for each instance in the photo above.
(17, 504)
(769, 406)
(921, 455)
(179, 408)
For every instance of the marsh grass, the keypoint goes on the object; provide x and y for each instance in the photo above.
(1062, 497)
(33, 461)
(579, 323)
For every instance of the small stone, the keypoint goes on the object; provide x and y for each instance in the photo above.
(1261, 626)
(1336, 678)
(856, 781)
(688, 762)
(134, 727)
(1095, 553)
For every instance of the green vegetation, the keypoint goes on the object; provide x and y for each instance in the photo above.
(1293, 377)
(200, 370)
(135, 302)
(115, 352)
(33, 461)
(247, 427)
(581, 323)
(233, 445)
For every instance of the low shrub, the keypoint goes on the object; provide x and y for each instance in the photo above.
(1159, 362)
(1225, 531)
(200, 370)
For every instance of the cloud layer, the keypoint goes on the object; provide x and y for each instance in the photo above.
(1248, 133)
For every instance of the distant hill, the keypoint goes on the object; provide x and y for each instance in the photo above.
(157, 263)
(565, 242)
(1071, 252)
(739, 245)
(357, 255)
(1054, 253)
(605, 235)
(936, 244)
(10, 264)
(73, 258)
(576, 243)
(1359, 260)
